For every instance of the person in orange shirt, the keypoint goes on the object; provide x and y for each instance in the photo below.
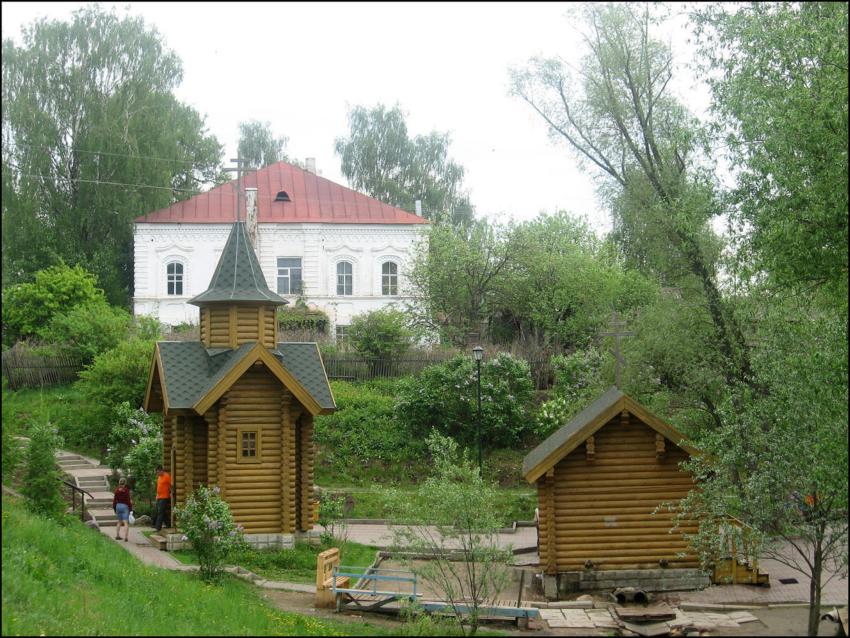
(163, 498)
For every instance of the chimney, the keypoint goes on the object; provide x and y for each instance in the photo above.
(419, 207)
(251, 215)
(310, 165)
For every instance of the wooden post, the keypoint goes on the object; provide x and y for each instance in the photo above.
(288, 466)
(551, 558)
(307, 456)
(177, 446)
(261, 325)
(232, 319)
(222, 445)
(188, 455)
(211, 418)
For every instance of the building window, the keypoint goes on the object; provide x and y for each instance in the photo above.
(342, 335)
(174, 276)
(249, 446)
(289, 275)
(344, 278)
(389, 278)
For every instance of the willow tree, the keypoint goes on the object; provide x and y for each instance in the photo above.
(616, 112)
(92, 138)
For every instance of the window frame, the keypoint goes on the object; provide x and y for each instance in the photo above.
(394, 282)
(179, 278)
(289, 270)
(344, 337)
(349, 275)
(258, 445)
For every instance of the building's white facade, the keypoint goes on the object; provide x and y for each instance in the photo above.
(323, 249)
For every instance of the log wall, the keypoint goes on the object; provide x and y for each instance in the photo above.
(199, 452)
(598, 507)
(253, 490)
(231, 326)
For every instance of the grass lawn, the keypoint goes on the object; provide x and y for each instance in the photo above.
(296, 565)
(66, 579)
(61, 405)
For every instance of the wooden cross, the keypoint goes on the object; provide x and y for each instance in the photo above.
(617, 332)
(240, 168)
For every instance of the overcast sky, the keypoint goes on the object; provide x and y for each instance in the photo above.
(301, 66)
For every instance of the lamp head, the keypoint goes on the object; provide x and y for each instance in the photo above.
(478, 353)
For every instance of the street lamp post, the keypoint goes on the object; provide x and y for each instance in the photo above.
(478, 354)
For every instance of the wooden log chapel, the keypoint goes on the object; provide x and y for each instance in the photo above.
(600, 478)
(238, 406)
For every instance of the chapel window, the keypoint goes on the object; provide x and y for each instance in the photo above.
(249, 446)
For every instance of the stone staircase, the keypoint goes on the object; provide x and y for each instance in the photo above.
(99, 506)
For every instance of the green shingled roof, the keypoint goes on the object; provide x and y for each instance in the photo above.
(238, 276)
(305, 363)
(190, 371)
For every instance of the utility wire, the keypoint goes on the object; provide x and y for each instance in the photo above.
(80, 150)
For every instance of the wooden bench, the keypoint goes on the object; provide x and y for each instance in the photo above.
(325, 563)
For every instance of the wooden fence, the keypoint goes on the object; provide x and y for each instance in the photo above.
(24, 368)
(354, 367)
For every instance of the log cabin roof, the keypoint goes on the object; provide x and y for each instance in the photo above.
(585, 423)
(238, 276)
(192, 376)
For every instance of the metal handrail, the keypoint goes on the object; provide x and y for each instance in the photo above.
(74, 490)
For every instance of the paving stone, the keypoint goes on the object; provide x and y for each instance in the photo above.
(742, 617)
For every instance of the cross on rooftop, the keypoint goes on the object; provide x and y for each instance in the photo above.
(242, 166)
(617, 332)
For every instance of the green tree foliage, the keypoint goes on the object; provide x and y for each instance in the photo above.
(778, 462)
(93, 137)
(88, 330)
(259, 146)
(364, 431)
(445, 397)
(28, 308)
(380, 159)
(380, 334)
(41, 484)
(115, 376)
(778, 72)
(453, 520)
(619, 117)
(207, 523)
(560, 285)
(455, 275)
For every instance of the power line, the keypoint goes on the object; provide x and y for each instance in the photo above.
(108, 183)
(80, 150)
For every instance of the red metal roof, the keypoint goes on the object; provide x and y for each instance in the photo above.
(314, 199)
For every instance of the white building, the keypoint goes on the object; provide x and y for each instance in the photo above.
(342, 251)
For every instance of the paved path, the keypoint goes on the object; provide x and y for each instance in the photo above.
(380, 535)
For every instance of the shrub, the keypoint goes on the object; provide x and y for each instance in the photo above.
(87, 330)
(42, 487)
(380, 334)
(364, 428)
(115, 376)
(130, 425)
(29, 307)
(208, 524)
(141, 463)
(11, 446)
(444, 397)
(146, 328)
(331, 512)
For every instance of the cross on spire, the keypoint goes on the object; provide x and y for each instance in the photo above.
(617, 332)
(240, 168)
